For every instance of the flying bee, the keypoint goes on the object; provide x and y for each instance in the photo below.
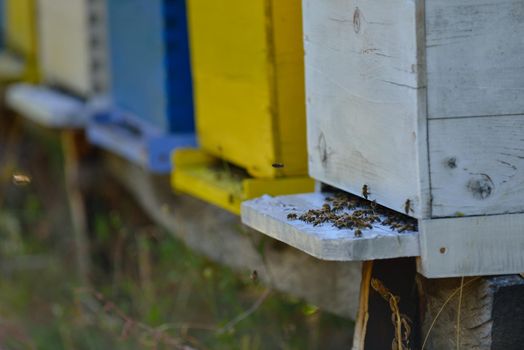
(408, 207)
(21, 179)
(358, 233)
(365, 191)
(254, 276)
(277, 165)
(292, 216)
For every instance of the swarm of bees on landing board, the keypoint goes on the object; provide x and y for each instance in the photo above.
(345, 211)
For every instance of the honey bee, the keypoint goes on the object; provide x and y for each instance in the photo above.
(408, 207)
(292, 216)
(254, 276)
(365, 191)
(326, 207)
(21, 179)
(277, 165)
(358, 233)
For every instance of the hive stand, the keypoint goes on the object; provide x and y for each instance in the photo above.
(136, 140)
(217, 182)
(47, 107)
(391, 261)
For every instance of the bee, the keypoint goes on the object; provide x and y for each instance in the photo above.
(277, 165)
(21, 179)
(408, 207)
(365, 191)
(358, 233)
(326, 207)
(254, 276)
(292, 216)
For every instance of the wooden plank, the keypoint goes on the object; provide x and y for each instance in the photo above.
(248, 83)
(471, 246)
(215, 181)
(45, 106)
(364, 103)
(269, 216)
(474, 57)
(476, 165)
(135, 139)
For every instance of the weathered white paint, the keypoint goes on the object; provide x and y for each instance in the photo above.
(477, 165)
(269, 216)
(364, 98)
(475, 57)
(469, 246)
(46, 106)
(68, 41)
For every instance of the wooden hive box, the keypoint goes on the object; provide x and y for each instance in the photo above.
(73, 45)
(72, 59)
(247, 63)
(423, 102)
(18, 59)
(151, 104)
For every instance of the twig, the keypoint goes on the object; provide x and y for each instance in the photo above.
(442, 308)
(246, 313)
(458, 312)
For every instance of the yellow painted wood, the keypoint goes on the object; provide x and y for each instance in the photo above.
(247, 61)
(210, 179)
(20, 32)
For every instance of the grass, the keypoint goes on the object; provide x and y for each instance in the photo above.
(148, 290)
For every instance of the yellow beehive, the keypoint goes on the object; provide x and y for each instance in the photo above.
(248, 76)
(20, 34)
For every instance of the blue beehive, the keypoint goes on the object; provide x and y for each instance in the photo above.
(151, 104)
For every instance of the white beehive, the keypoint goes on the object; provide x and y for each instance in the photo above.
(73, 45)
(423, 102)
(418, 103)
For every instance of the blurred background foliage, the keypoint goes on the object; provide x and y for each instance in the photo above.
(147, 290)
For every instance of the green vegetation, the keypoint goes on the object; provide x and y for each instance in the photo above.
(148, 290)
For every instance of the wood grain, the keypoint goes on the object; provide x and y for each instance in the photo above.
(364, 98)
(269, 216)
(474, 57)
(471, 246)
(477, 165)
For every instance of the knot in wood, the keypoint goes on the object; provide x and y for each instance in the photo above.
(481, 186)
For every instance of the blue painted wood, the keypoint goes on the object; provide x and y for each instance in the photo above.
(136, 140)
(149, 60)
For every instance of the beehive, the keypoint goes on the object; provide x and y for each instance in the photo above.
(73, 45)
(19, 31)
(423, 102)
(426, 103)
(247, 63)
(151, 107)
(149, 56)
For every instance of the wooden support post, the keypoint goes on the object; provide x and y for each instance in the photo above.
(71, 141)
(448, 313)
(389, 306)
(491, 313)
